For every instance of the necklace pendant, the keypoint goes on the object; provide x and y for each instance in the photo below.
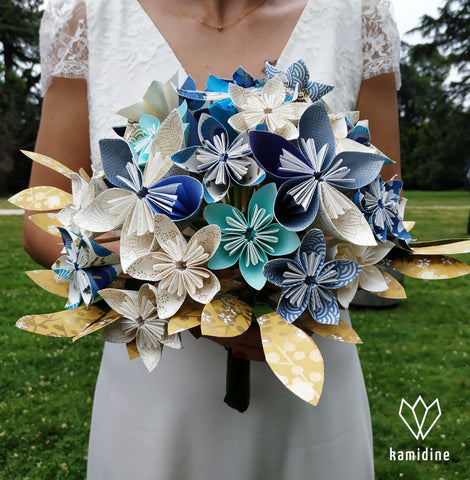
(219, 28)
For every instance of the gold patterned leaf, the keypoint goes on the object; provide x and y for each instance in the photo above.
(41, 198)
(188, 316)
(225, 316)
(67, 323)
(448, 248)
(49, 162)
(47, 222)
(395, 288)
(293, 356)
(342, 332)
(132, 350)
(429, 267)
(106, 319)
(50, 281)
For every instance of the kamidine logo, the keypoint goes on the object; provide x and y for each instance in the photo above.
(420, 419)
(423, 420)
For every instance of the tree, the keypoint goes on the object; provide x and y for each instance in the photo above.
(19, 76)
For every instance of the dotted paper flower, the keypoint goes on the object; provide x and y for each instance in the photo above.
(382, 205)
(140, 321)
(312, 178)
(307, 280)
(297, 77)
(87, 265)
(178, 266)
(249, 240)
(220, 163)
(269, 108)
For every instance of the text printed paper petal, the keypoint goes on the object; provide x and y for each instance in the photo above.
(225, 316)
(293, 356)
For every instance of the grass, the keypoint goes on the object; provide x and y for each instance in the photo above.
(418, 348)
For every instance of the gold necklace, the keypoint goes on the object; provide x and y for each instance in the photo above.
(219, 28)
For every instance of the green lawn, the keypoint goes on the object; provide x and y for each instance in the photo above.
(418, 348)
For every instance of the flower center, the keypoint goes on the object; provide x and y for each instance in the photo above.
(268, 110)
(250, 234)
(311, 281)
(143, 192)
(180, 265)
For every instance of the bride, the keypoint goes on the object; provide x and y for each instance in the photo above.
(100, 55)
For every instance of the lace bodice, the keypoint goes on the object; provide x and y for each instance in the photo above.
(343, 42)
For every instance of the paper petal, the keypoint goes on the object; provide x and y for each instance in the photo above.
(293, 356)
(225, 316)
(169, 136)
(432, 267)
(49, 162)
(66, 323)
(133, 246)
(150, 354)
(115, 154)
(50, 281)
(47, 222)
(41, 198)
(253, 273)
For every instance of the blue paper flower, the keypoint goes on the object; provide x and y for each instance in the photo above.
(307, 280)
(89, 267)
(249, 240)
(312, 177)
(380, 203)
(219, 162)
(297, 77)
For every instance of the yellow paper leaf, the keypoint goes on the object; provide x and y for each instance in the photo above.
(50, 281)
(66, 323)
(106, 319)
(41, 198)
(429, 267)
(395, 288)
(47, 222)
(342, 332)
(293, 356)
(225, 316)
(188, 316)
(49, 162)
(450, 248)
(132, 350)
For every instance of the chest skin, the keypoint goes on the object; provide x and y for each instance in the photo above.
(201, 50)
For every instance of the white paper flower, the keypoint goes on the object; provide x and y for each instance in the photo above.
(269, 108)
(141, 321)
(371, 278)
(178, 265)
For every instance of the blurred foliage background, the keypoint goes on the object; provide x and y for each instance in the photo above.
(434, 99)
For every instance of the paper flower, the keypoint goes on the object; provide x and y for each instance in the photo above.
(307, 280)
(383, 207)
(370, 277)
(89, 267)
(220, 162)
(178, 265)
(140, 321)
(249, 240)
(269, 108)
(312, 179)
(297, 77)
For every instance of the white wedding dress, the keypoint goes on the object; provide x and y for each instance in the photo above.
(172, 424)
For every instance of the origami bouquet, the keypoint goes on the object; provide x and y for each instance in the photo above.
(253, 178)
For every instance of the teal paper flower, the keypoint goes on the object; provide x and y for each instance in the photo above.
(249, 240)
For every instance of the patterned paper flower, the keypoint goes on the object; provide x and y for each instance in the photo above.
(220, 162)
(140, 321)
(383, 207)
(249, 240)
(307, 280)
(297, 77)
(137, 197)
(370, 278)
(87, 265)
(178, 265)
(312, 179)
(269, 108)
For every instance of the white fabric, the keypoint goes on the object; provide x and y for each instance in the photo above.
(173, 424)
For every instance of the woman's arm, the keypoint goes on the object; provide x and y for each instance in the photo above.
(377, 102)
(64, 136)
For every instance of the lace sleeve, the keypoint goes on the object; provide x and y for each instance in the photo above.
(380, 40)
(63, 41)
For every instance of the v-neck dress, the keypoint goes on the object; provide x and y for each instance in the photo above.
(172, 424)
